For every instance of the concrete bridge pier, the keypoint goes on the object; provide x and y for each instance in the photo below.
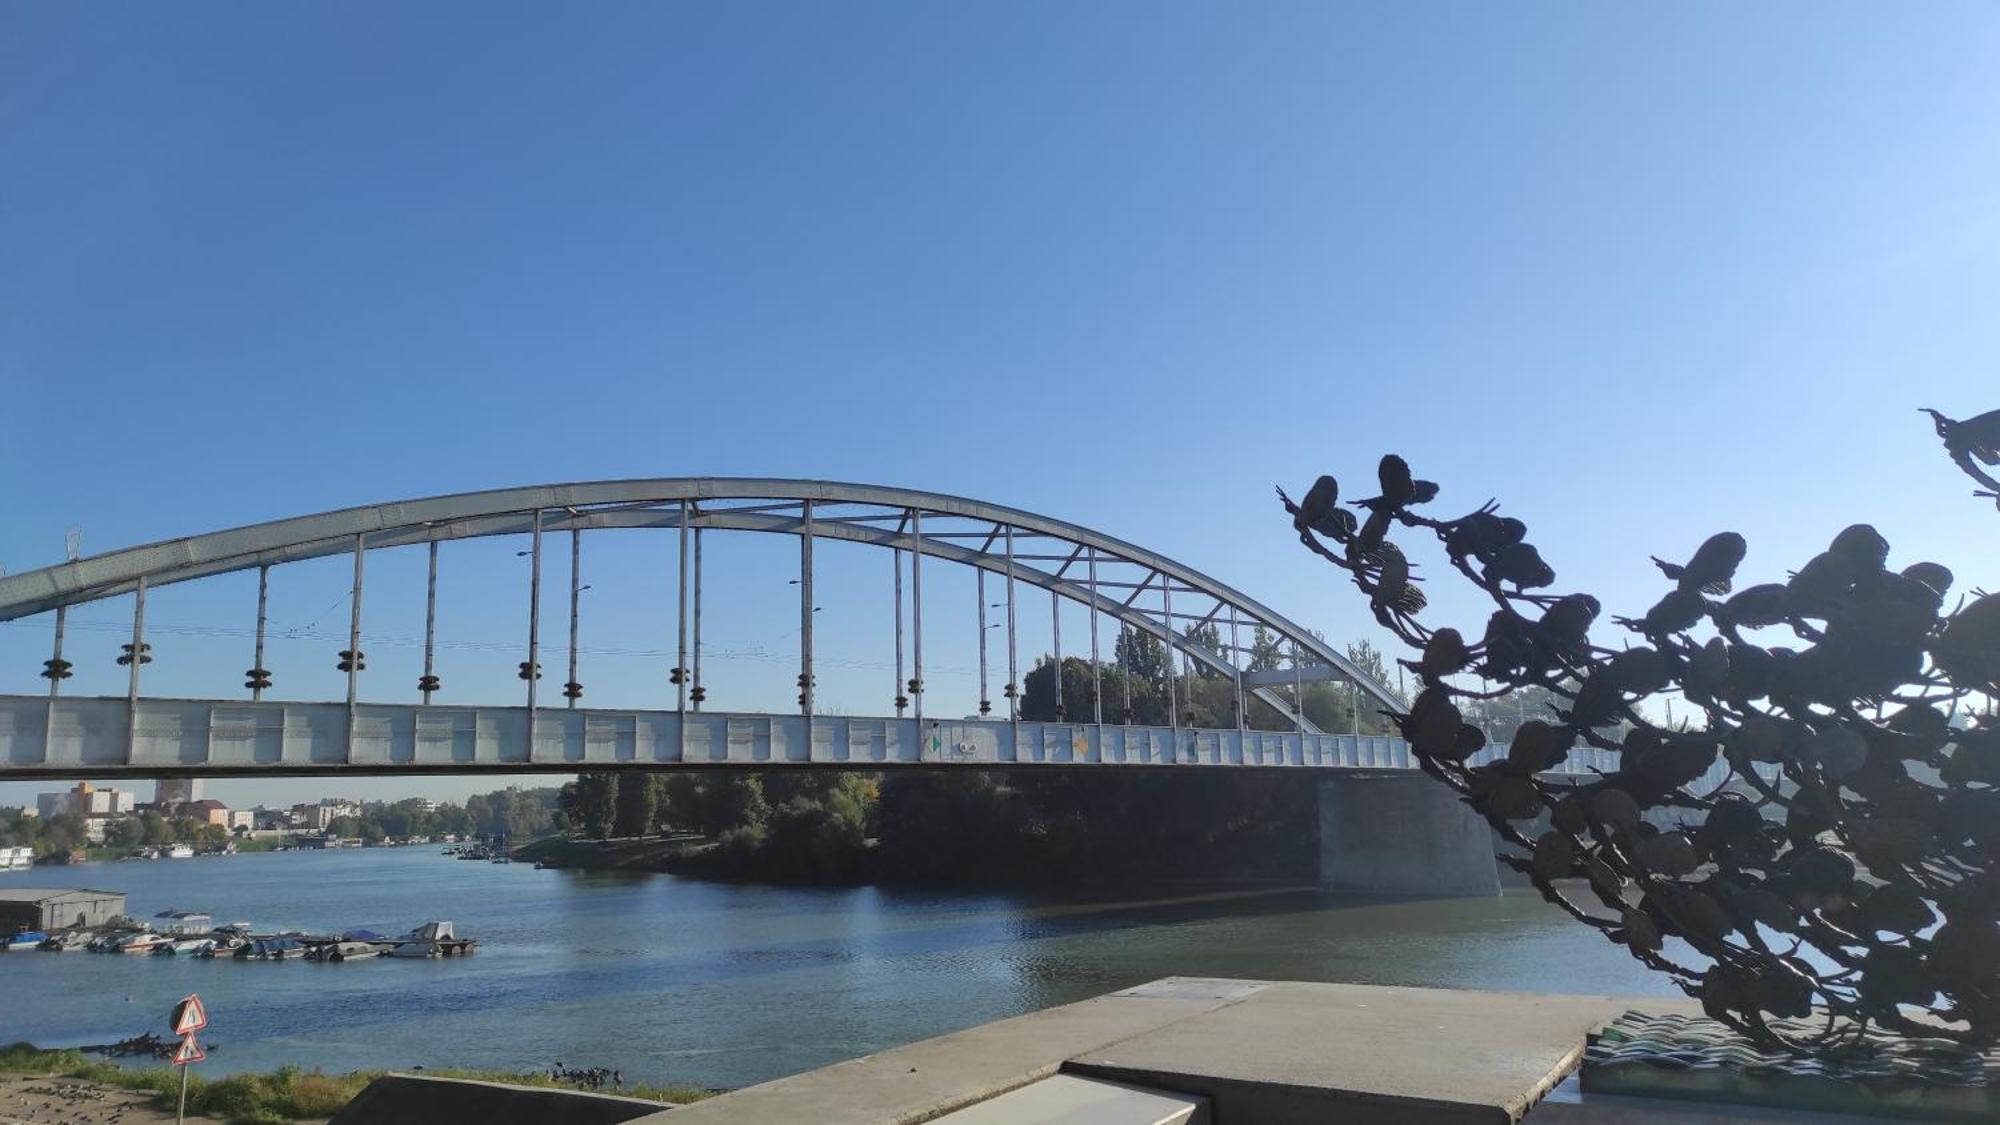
(1402, 833)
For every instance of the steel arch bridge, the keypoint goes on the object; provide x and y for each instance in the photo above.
(1200, 620)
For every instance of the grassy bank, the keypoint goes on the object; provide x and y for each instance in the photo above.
(283, 1095)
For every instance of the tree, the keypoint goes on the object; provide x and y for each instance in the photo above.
(637, 794)
(725, 801)
(590, 803)
(1142, 655)
(125, 832)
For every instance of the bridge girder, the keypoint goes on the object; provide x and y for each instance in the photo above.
(739, 504)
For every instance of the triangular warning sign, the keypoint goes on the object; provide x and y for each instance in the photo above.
(189, 1052)
(189, 1016)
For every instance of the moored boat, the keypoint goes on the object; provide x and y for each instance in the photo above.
(141, 943)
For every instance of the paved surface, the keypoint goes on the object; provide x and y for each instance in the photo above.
(1361, 1054)
(1264, 1052)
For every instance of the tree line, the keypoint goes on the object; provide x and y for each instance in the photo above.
(964, 826)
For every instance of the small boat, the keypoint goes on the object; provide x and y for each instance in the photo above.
(176, 947)
(432, 939)
(345, 951)
(223, 944)
(142, 943)
(272, 949)
(24, 939)
(180, 851)
(64, 942)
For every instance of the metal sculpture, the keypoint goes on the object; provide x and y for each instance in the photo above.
(1845, 875)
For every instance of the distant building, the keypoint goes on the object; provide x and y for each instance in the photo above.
(86, 800)
(23, 909)
(268, 820)
(171, 791)
(425, 804)
(208, 810)
(241, 820)
(316, 817)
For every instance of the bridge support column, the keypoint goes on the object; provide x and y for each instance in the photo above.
(1402, 833)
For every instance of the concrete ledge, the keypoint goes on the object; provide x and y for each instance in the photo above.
(1257, 1051)
(924, 1080)
(411, 1099)
(1360, 1055)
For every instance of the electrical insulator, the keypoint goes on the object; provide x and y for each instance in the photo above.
(145, 654)
(530, 670)
(1008, 691)
(257, 679)
(57, 669)
(985, 706)
(428, 683)
(351, 661)
(916, 687)
(1125, 716)
(1062, 712)
(573, 690)
(698, 694)
(677, 676)
(902, 701)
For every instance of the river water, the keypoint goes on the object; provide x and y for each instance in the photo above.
(720, 985)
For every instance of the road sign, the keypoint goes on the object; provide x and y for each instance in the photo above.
(189, 1052)
(189, 1016)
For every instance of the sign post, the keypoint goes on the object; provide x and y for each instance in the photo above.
(188, 1018)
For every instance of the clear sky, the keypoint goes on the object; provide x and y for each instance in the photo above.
(1642, 273)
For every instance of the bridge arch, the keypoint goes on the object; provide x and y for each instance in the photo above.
(1064, 558)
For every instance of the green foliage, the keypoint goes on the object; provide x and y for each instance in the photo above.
(637, 794)
(275, 1097)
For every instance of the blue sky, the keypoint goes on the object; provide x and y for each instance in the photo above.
(1643, 274)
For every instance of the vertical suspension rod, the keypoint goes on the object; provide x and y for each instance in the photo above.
(806, 622)
(979, 591)
(1013, 657)
(1055, 633)
(917, 620)
(901, 697)
(681, 622)
(257, 660)
(534, 669)
(1096, 677)
(354, 629)
(430, 625)
(1236, 668)
(55, 658)
(1173, 694)
(574, 688)
(138, 658)
(698, 693)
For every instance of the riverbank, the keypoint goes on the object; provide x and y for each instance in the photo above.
(66, 1088)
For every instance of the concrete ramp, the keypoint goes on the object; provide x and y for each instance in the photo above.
(410, 1099)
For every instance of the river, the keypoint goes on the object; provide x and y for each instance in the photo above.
(720, 985)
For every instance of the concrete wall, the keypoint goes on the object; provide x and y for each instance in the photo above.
(407, 1099)
(1402, 834)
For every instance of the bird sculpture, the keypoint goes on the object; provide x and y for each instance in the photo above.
(1974, 439)
(1399, 490)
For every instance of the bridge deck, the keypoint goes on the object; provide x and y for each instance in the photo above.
(79, 736)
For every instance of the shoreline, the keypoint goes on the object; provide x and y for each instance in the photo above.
(65, 1088)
